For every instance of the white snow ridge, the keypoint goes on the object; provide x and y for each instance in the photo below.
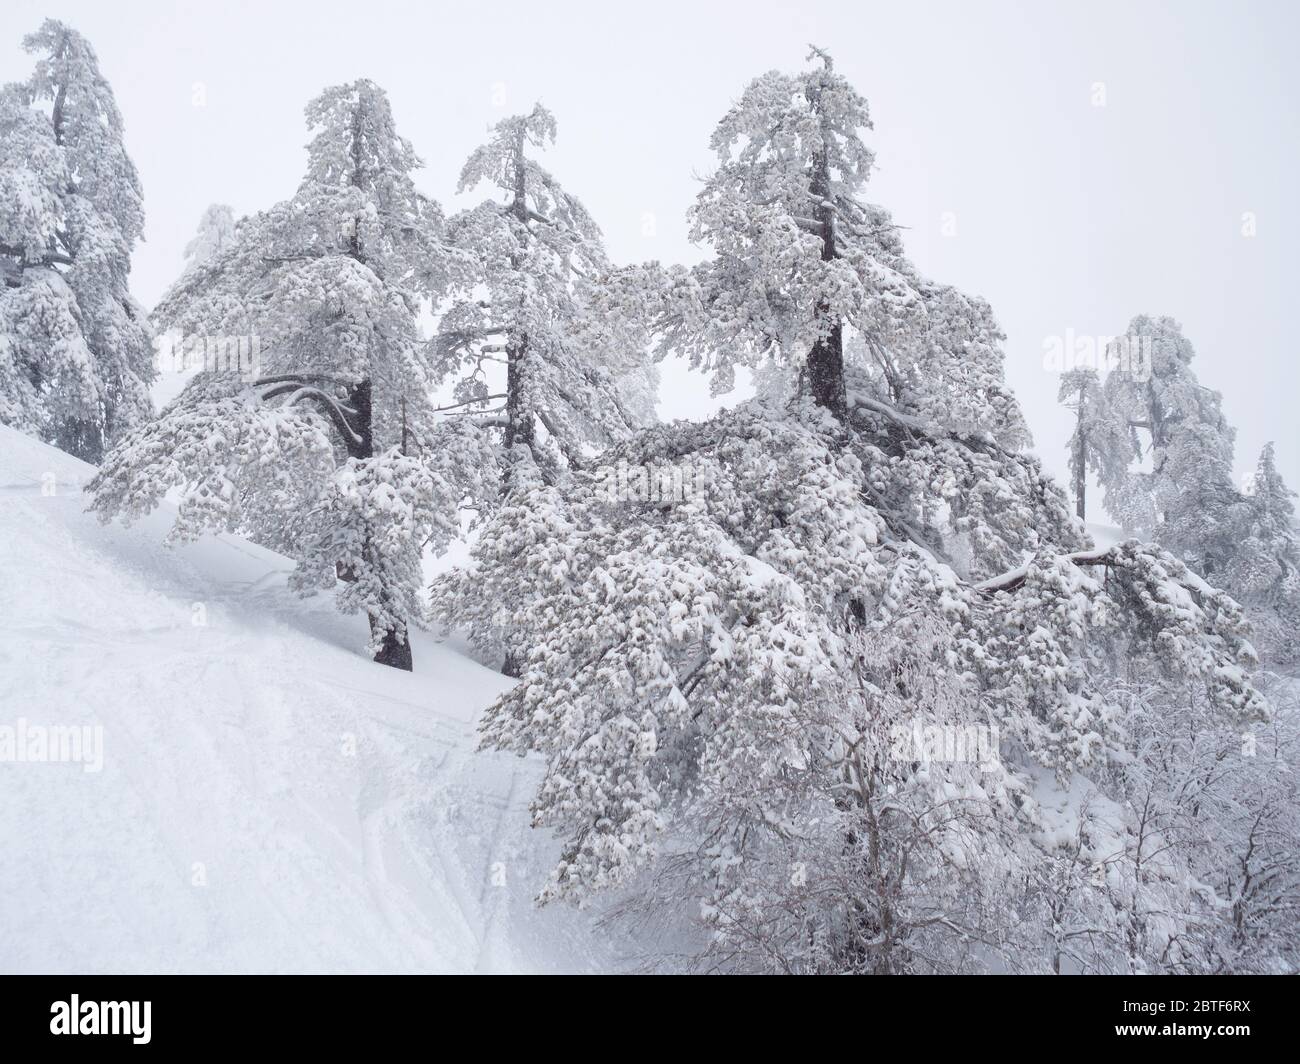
(270, 800)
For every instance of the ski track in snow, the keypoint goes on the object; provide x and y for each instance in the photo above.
(270, 800)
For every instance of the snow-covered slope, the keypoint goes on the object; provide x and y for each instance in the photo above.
(269, 799)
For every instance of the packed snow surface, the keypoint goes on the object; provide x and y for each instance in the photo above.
(269, 799)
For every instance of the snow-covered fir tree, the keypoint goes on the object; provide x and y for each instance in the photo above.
(530, 259)
(313, 429)
(215, 234)
(1080, 391)
(1264, 570)
(537, 365)
(1166, 455)
(1163, 451)
(810, 278)
(748, 695)
(76, 353)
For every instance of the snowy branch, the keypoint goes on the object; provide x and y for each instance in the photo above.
(1009, 581)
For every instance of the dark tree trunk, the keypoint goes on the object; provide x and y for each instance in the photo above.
(394, 650)
(364, 445)
(826, 371)
(826, 359)
(519, 416)
(512, 666)
(519, 430)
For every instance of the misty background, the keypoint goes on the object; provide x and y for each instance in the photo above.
(1073, 165)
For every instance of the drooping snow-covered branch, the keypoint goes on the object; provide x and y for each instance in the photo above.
(1009, 581)
(344, 418)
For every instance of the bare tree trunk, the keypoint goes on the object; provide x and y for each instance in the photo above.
(520, 429)
(826, 371)
(1080, 467)
(359, 399)
(826, 359)
(394, 650)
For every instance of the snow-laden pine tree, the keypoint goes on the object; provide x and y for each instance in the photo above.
(76, 353)
(808, 275)
(325, 444)
(1264, 570)
(531, 256)
(539, 367)
(1080, 391)
(215, 234)
(1163, 451)
(819, 697)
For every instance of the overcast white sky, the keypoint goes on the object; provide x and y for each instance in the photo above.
(1069, 217)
